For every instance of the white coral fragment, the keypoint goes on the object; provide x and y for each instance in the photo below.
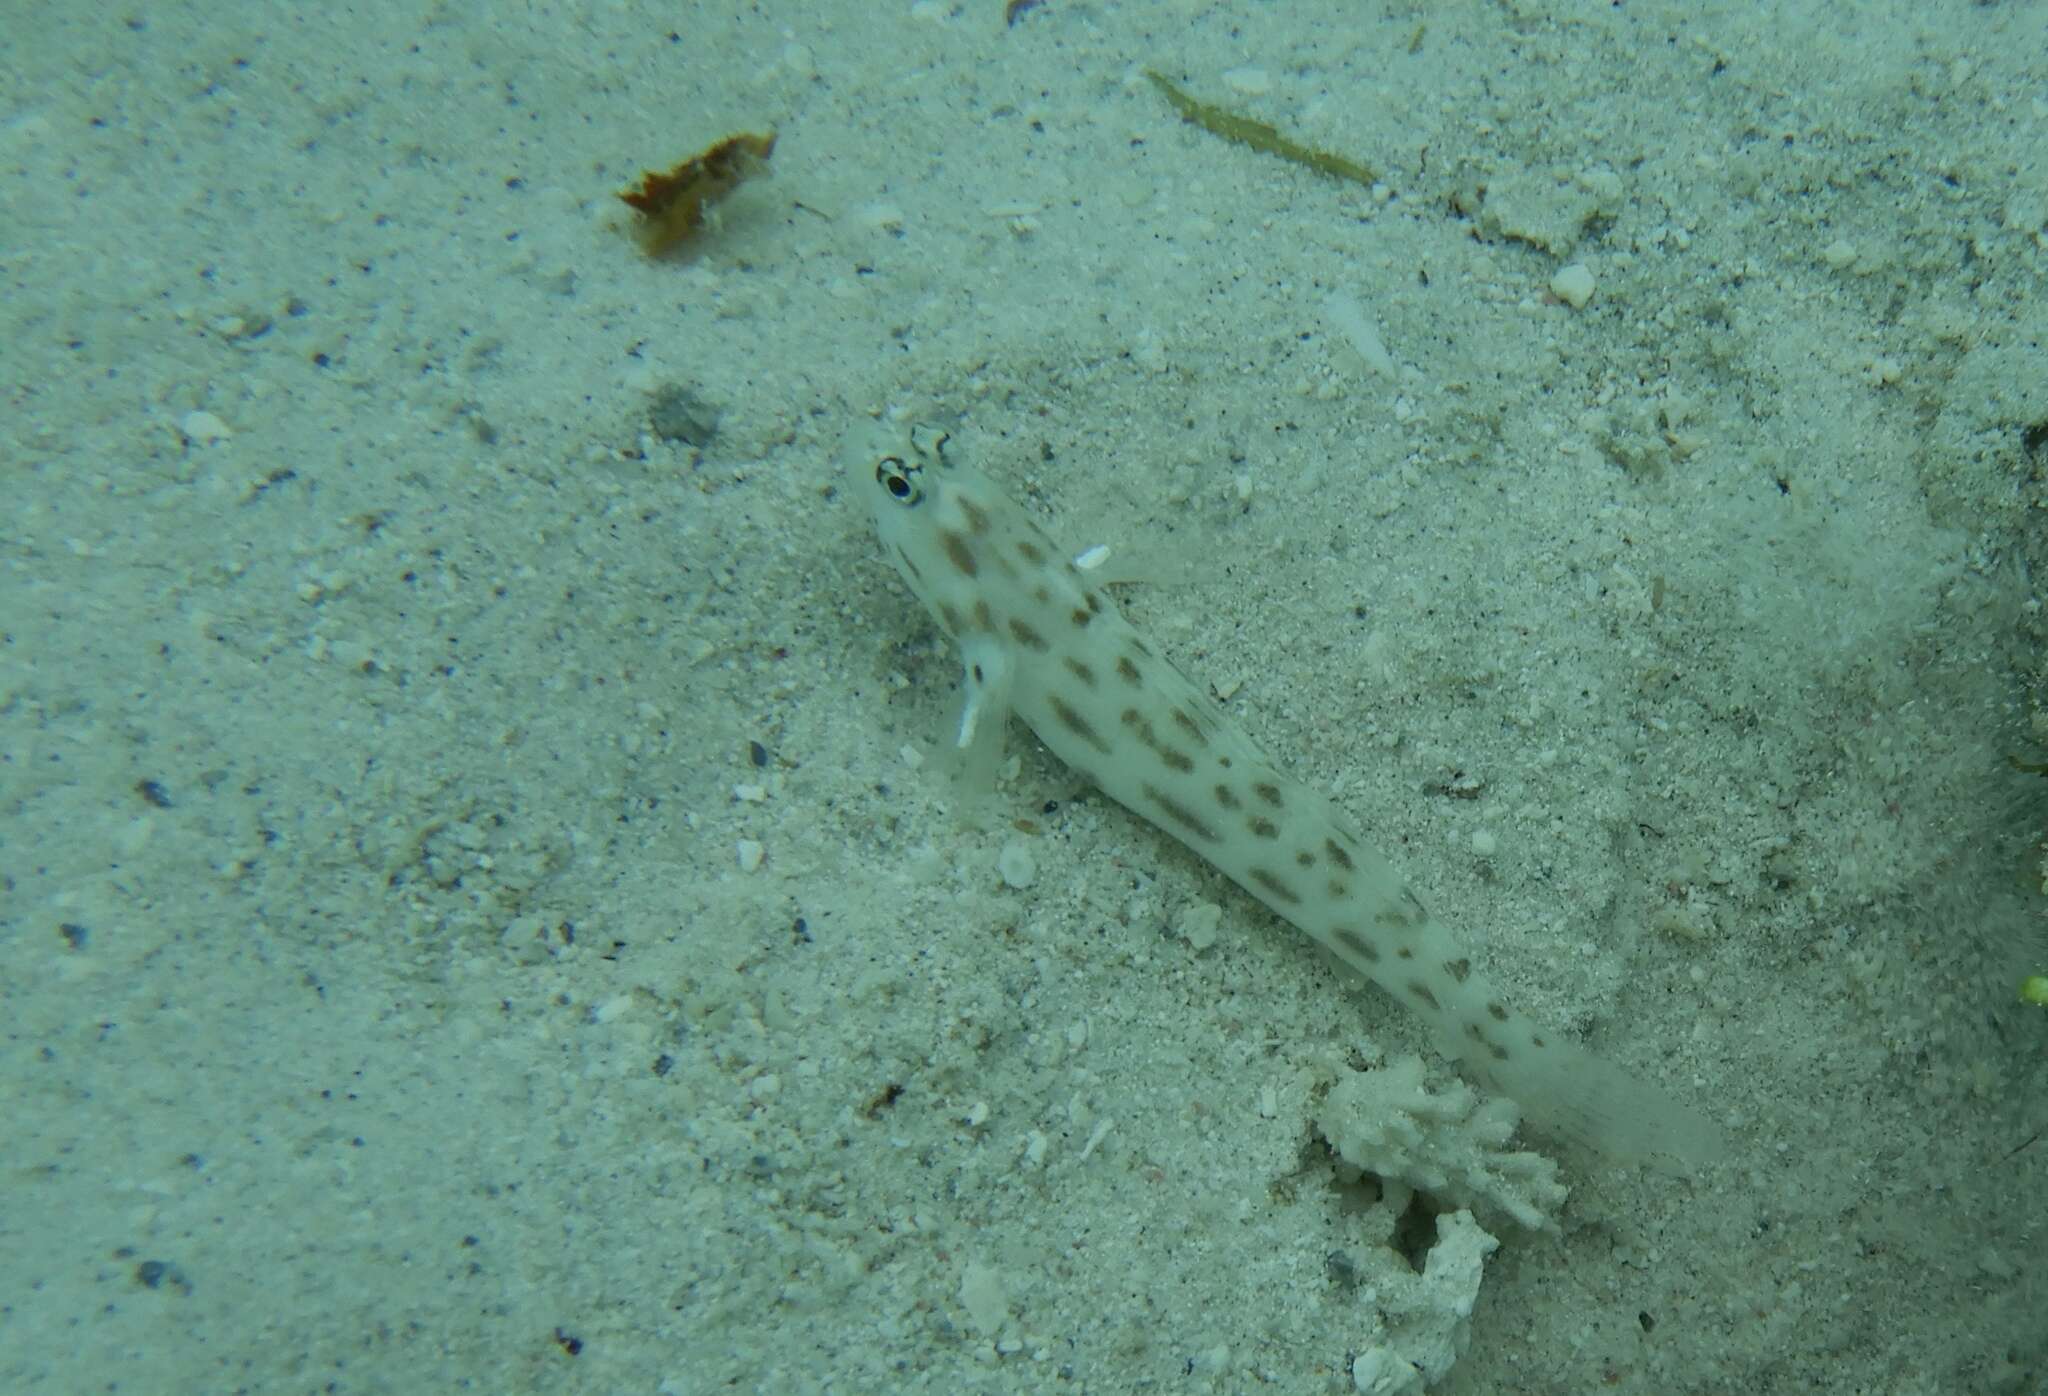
(1424, 1322)
(1380, 1371)
(1449, 1144)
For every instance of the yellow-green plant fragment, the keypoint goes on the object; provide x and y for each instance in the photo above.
(1258, 135)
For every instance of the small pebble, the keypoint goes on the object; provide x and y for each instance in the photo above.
(1573, 285)
(203, 428)
(751, 854)
(1252, 82)
(1019, 869)
(1199, 923)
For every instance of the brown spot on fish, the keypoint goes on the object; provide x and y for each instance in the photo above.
(1226, 797)
(1274, 885)
(959, 553)
(1339, 888)
(1080, 671)
(949, 618)
(1141, 726)
(1042, 595)
(1406, 952)
(1497, 1052)
(1356, 944)
(1177, 812)
(977, 517)
(1392, 920)
(1263, 827)
(1030, 551)
(1071, 719)
(1459, 969)
(1028, 637)
(1189, 726)
(1081, 619)
(1337, 854)
(1268, 792)
(1535, 1040)
(916, 573)
(1422, 993)
(984, 618)
(1304, 859)
(1092, 601)
(1497, 1012)
(1128, 671)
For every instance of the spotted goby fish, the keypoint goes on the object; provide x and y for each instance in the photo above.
(1040, 639)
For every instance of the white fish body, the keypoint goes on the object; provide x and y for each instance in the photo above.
(1039, 639)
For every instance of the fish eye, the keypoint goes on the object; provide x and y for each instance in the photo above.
(899, 479)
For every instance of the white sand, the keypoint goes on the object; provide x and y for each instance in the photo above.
(387, 1005)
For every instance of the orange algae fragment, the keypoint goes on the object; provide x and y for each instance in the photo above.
(674, 206)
